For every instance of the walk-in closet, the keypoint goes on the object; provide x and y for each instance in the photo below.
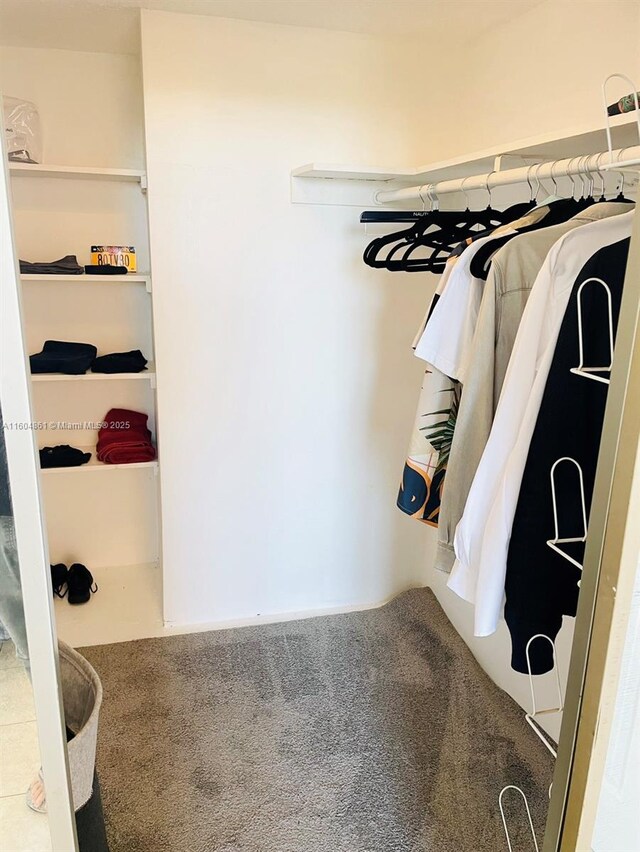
(318, 470)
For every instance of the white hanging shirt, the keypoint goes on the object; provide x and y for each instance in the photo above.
(445, 340)
(440, 288)
(482, 536)
(447, 337)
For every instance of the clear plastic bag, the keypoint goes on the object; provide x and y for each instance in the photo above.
(22, 130)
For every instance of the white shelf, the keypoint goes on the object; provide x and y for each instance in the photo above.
(127, 606)
(129, 278)
(149, 373)
(77, 172)
(94, 465)
(588, 139)
(344, 172)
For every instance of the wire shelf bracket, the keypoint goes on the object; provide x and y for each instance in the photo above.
(504, 819)
(619, 165)
(581, 369)
(555, 542)
(536, 713)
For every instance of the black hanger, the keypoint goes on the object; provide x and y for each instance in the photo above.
(586, 200)
(393, 215)
(440, 232)
(433, 230)
(559, 211)
(423, 220)
(621, 196)
(478, 223)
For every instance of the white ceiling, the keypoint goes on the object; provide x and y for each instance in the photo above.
(112, 25)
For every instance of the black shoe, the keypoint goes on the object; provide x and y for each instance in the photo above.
(80, 584)
(59, 574)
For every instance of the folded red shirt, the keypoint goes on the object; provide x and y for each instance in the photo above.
(125, 438)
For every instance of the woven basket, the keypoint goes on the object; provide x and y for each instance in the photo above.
(82, 698)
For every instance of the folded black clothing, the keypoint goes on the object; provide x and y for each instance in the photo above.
(63, 456)
(67, 265)
(120, 362)
(59, 356)
(104, 269)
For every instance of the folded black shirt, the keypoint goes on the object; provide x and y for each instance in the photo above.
(62, 456)
(120, 362)
(104, 269)
(67, 265)
(59, 356)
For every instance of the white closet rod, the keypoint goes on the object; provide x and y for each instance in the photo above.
(532, 173)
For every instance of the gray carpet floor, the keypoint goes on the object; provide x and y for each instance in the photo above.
(367, 732)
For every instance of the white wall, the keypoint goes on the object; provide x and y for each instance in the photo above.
(90, 104)
(286, 386)
(538, 72)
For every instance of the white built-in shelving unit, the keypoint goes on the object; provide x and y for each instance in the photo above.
(110, 522)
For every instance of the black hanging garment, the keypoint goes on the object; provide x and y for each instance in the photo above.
(541, 585)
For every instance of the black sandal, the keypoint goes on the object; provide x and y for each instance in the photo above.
(59, 574)
(80, 584)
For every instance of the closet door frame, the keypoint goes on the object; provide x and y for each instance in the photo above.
(31, 541)
(610, 566)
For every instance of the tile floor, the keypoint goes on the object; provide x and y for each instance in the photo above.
(21, 830)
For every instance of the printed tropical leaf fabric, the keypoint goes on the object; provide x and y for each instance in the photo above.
(440, 433)
(426, 463)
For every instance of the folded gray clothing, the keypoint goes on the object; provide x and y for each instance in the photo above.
(67, 265)
(120, 362)
(21, 156)
(59, 356)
